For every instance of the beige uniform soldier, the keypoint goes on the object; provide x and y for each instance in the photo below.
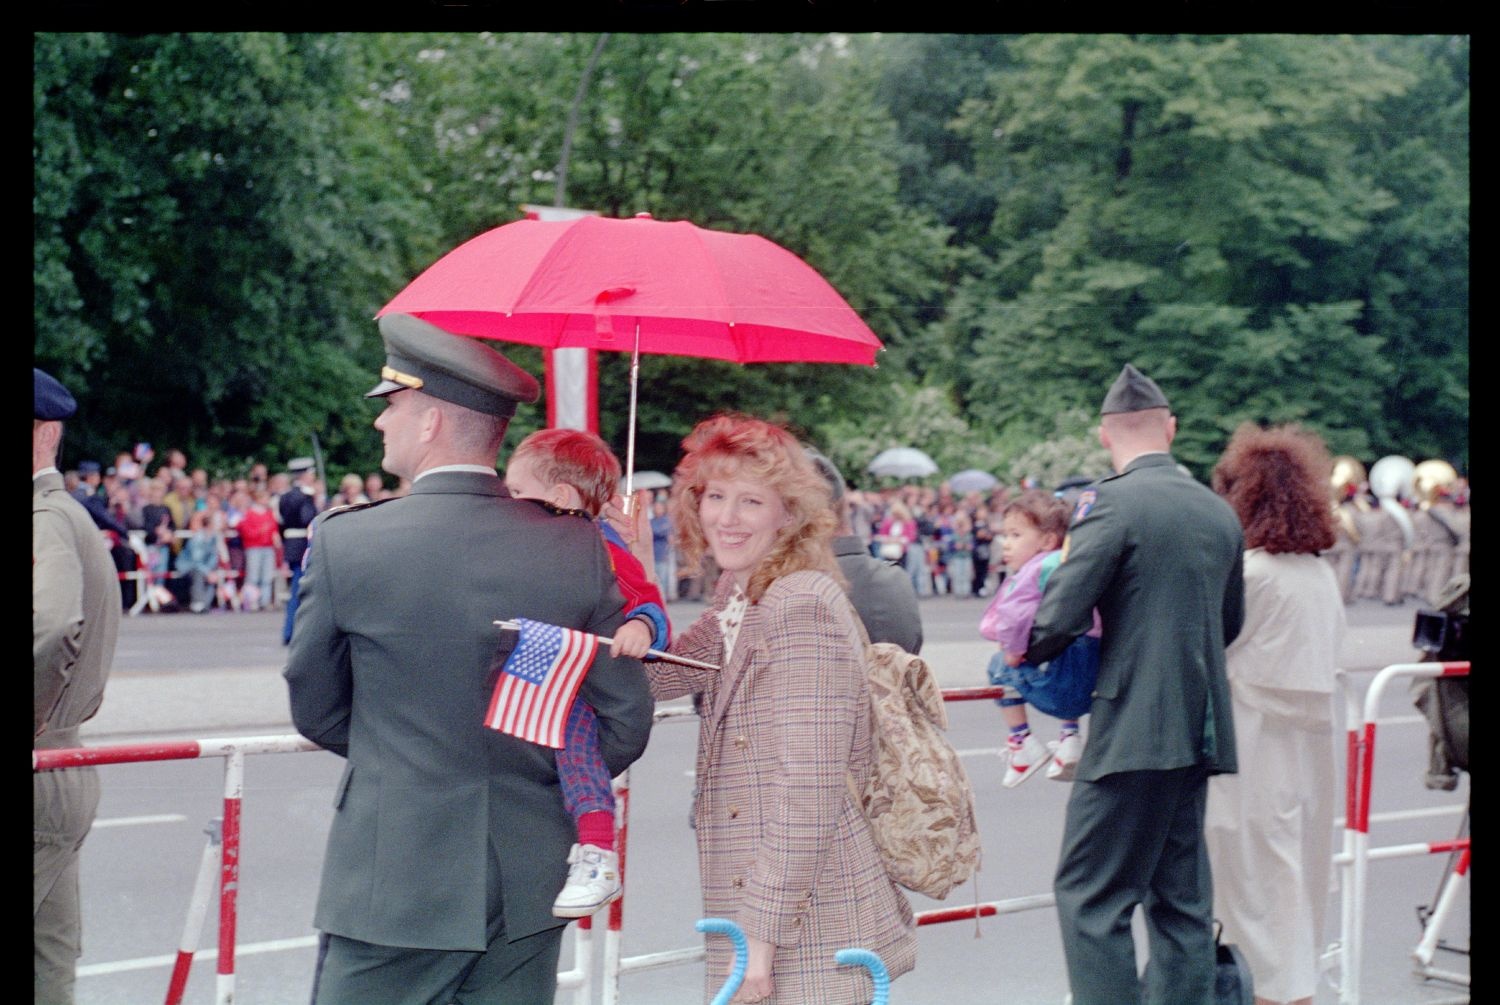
(1382, 545)
(1436, 531)
(1344, 494)
(75, 604)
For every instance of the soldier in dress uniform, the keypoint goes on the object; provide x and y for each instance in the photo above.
(1161, 558)
(297, 507)
(449, 841)
(75, 620)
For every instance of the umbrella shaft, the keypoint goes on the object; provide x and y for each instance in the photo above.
(635, 376)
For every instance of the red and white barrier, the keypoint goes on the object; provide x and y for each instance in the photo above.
(223, 850)
(224, 840)
(1361, 720)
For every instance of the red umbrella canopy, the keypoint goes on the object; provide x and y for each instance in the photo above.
(588, 282)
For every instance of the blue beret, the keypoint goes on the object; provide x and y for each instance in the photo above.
(52, 400)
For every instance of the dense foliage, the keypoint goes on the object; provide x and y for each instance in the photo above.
(1274, 227)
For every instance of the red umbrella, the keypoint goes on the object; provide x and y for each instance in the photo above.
(639, 285)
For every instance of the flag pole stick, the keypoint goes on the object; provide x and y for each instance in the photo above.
(515, 626)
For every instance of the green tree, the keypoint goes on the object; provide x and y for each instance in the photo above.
(1171, 202)
(211, 237)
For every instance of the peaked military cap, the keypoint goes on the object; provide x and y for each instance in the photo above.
(50, 400)
(1132, 391)
(456, 368)
(88, 467)
(297, 465)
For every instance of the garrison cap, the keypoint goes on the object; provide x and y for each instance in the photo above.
(456, 368)
(1132, 391)
(51, 401)
(830, 473)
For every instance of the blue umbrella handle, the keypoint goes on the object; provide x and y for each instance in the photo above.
(723, 926)
(865, 958)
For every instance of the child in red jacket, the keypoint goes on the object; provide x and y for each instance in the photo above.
(570, 470)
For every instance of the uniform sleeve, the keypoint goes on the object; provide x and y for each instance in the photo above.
(1091, 553)
(320, 671)
(1234, 597)
(56, 611)
(816, 690)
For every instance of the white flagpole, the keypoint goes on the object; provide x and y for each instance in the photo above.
(515, 626)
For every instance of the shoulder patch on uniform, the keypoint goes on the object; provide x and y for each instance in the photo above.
(1086, 500)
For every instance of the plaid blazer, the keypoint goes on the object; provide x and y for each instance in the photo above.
(782, 848)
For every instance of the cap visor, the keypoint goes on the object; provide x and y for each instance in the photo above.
(384, 388)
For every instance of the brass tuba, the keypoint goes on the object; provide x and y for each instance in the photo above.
(1347, 480)
(1430, 478)
(1347, 473)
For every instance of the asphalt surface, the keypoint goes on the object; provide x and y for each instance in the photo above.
(219, 675)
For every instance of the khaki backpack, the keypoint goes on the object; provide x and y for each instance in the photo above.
(919, 801)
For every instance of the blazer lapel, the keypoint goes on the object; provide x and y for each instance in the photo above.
(735, 673)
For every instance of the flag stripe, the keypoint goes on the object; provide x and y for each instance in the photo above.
(539, 682)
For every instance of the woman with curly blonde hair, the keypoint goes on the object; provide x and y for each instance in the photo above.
(784, 850)
(1269, 828)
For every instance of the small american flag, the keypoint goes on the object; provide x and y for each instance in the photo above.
(539, 681)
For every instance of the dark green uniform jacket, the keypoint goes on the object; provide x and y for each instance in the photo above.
(1162, 699)
(389, 667)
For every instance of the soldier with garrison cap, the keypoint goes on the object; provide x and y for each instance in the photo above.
(1160, 556)
(450, 840)
(75, 621)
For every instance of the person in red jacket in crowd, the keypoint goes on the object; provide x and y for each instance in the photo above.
(261, 539)
(572, 471)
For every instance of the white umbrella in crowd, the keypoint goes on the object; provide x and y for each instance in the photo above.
(972, 480)
(902, 462)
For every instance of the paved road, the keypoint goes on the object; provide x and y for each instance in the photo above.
(182, 675)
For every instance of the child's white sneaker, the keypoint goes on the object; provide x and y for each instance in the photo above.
(1024, 761)
(593, 881)
(1065, 755)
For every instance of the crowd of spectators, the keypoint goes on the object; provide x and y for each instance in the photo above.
(184, 540)
(942, 539)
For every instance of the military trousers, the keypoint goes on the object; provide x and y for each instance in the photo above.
(63, 807)
(1136, 838)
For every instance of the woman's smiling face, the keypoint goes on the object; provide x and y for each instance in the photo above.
(741, 523)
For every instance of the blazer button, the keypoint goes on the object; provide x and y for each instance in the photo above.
(738, 881)
(741, 740)
(734, 811)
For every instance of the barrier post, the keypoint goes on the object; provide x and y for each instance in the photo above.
(229, 875)
(192, 929)
(1359, 780)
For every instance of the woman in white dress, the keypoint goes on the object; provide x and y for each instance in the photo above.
(1270, 827)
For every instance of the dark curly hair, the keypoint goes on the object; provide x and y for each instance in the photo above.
(1276, 479)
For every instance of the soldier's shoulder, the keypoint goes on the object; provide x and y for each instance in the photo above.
(348, 508)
